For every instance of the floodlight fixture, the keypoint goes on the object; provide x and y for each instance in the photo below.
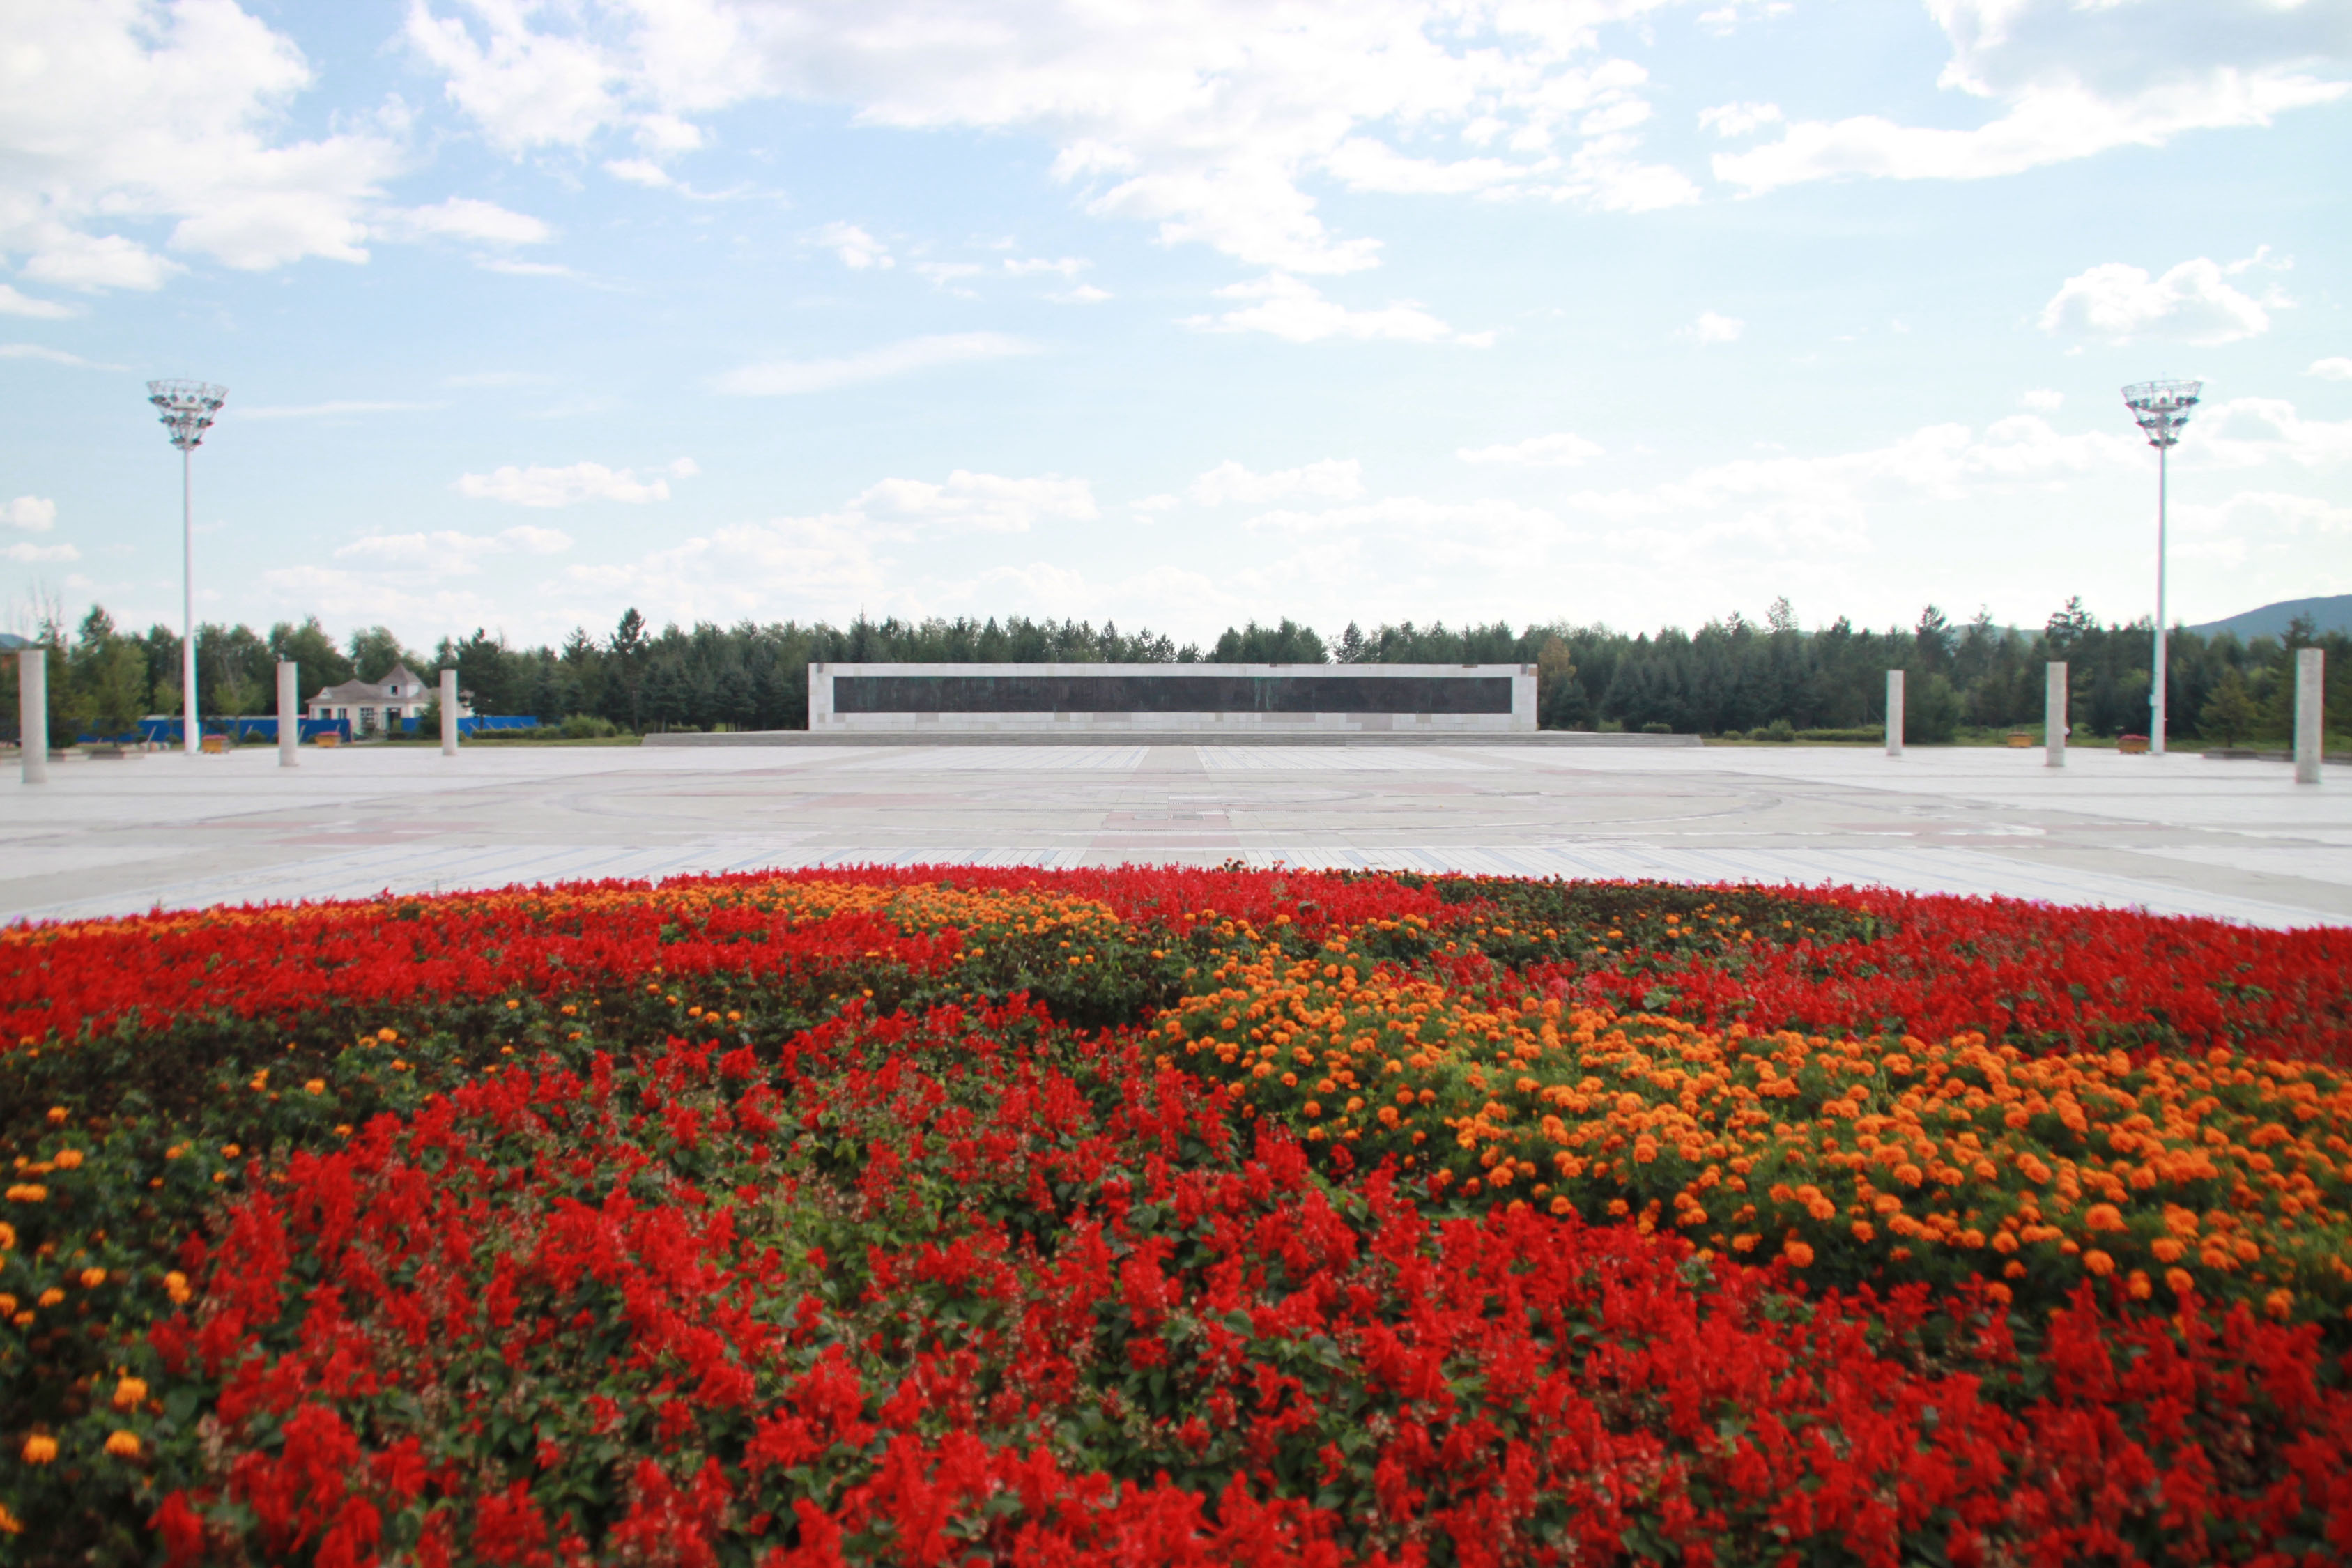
(2162, 408)
(187, 409)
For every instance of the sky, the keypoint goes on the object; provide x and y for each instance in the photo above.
(1173, 312)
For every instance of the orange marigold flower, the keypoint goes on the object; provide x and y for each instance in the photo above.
(39, 1450)
(91, 1278)
(124, 1445)
(2279, 1304)
(129, 1393)
(2098, 1263)
(1798, 1254)
(2168, 1250)
(67, 1160)
(2178, 1281)
(1909, 1175)
(1864, 1231)
(2104, 1216)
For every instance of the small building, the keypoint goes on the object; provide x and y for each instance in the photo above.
(374, 706)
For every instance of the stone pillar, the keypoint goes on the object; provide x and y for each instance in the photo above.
(2310, 712)
(289, 712)
(2053, 713)
(448, 712)
(33, 711)
(1893, 712)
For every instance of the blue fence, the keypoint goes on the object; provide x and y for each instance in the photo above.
(264, 731)
(481, 722)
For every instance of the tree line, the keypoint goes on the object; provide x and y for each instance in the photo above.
(1732, 676)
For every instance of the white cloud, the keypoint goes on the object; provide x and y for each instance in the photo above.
(462, 218)
(2070, 80)
(1484, 535)
(1152, 505)
(514, 268)
(34, 514)
(946, 274)
(989, 503)
(1202, 119)
(341, 410)
(1740, 118)
(640, 172)
(2336, 368)
(120, 111)
(1297, 312)
(1028, 267)
(1711, 328)
(2192, 303)
(1229, 483)
(55, 356)
(446, 553)
(1783, 504)
(542, 487)
(2043, 400)
(779, 378)
(499, 378)
(34, 554)
(13, 304)
(1084, 294)
(856, 248)
(1563, 450)
(831, 562)
(2254, 432)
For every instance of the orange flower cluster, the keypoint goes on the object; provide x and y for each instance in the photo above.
(1358, 1063)
(911, 907)
(1854, 1159)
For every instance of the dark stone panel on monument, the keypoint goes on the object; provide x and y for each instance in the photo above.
(1170, 694)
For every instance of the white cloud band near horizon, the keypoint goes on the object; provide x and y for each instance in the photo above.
(545, 487)
(788, 378)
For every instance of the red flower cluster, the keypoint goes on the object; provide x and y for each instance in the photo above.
(1938, 965)
(828, 1219)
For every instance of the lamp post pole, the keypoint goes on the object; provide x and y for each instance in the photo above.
(187, 409)
(2161, 409)
(187, 601)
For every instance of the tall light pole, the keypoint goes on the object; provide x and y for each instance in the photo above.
(187, 409)
(2162, 407)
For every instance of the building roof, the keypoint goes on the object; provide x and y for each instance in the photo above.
(411, 688)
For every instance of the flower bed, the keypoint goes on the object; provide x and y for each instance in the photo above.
(1164, 1215)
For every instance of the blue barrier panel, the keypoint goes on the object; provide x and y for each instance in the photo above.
(467, 726)
(247, 732)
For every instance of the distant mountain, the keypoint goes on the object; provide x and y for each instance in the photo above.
(10, 642)
(2333, 615)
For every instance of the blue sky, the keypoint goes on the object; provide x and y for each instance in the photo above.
(1173, 311)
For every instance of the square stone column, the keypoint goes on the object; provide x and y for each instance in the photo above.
(32, 708)
(289, 712)
(1893, 712)
(2053, 713)
(2310, 712)
(448, 712)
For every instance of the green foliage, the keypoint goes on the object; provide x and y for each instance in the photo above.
(321, 662)
(1285, 643)
(1931, 709)
(2229, 712)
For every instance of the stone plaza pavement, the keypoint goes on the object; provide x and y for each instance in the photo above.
(2176, 835)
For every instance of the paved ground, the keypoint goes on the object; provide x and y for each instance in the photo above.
(2236, 839)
